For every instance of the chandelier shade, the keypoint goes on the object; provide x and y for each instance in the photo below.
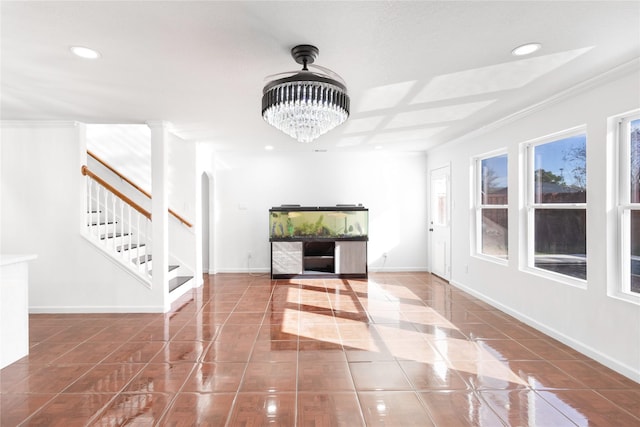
(306, 104)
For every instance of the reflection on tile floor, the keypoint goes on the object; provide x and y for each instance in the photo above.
(403, 349)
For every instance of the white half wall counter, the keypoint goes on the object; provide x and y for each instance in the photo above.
(14, 307)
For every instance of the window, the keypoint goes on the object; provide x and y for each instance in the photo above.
(557, 196)
(629, 206)
(492, 223)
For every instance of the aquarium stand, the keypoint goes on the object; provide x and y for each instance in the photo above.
(318, 241)
(318, 258)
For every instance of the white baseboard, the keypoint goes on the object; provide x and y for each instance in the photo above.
(244, 270)
(398, 270)
(94, 309)
(621, 368)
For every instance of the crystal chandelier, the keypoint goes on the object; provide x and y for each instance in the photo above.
(306, 104)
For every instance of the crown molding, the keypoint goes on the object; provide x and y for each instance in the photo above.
(40, 124)
(163, 124)
(600, 79)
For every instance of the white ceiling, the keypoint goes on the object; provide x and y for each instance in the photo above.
(419, 73)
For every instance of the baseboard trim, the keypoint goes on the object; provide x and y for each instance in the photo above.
(621, 368)
(398, 270)
(94, 309)
(244, 270)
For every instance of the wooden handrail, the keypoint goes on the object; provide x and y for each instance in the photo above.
(134, 185)
(86, 172)
(124, 178)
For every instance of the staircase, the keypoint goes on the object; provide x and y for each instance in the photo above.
(122, 230)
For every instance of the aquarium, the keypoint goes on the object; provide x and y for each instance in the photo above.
(334, 222)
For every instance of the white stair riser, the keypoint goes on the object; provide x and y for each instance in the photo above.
(132, 255)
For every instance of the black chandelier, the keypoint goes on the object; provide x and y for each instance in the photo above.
(306, 104)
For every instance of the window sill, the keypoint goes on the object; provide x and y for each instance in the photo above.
(556, 277)
(623, 296)
(495, 260)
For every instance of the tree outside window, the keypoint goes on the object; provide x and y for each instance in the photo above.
(558, 206)
(492, 207)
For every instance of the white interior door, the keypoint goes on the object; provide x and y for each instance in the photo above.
(439, 223)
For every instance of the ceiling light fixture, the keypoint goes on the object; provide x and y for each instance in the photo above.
(84, 52)
(526, 49)
(306, 104)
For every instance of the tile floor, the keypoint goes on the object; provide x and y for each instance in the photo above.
(395, 350)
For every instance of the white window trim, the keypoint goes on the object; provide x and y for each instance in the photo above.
(620, 286)
(479, 206)
(528, 265)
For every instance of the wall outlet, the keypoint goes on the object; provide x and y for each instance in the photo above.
(249, 255)
(384, 255)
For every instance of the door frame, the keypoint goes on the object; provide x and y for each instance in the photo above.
(435, 171)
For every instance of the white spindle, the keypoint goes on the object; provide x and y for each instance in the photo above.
(96, 190)
(120, 217)
(106, 216)
(89, 205)
(113, 221)
(116, 216)
(129, 248)
(138, 240)
(148, 251)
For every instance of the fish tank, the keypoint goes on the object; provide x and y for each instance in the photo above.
(293, 222)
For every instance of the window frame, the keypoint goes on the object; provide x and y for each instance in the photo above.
(479, 206)
(531, 206)
(624, 206)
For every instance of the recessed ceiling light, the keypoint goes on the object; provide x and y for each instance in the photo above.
(85, 52)
(268, 147)
(526, 49)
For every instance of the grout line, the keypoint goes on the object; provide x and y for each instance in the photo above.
(463, 302)
(246, 366)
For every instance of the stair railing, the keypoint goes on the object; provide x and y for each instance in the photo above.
(118, 225)
(134, 185)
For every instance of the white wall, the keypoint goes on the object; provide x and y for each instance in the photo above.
(182, 185)
(42, 195)
(604, 328)
(391, 185)
(126, 145)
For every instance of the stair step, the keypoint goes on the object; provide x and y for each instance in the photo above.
(176, 282)
(111, 235)
(142, 259)
(128, 247)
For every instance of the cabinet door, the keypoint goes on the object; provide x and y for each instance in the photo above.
(351, 257)
(286, 258)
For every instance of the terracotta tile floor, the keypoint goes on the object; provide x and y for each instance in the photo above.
(400, 350)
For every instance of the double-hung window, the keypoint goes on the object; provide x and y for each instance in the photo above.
(557, 205)
(629, 206)
(492, 225)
